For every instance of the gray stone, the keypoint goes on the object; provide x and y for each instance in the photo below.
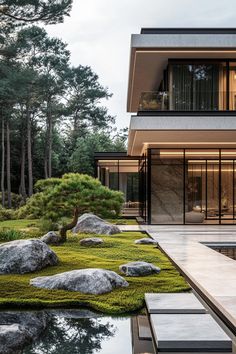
(91, 241)
(173, 303)
(137, 269)
(51, 238)
(189, 333)
(92, 224)
(24, 256)
(144, 331)
(18, 329)
(87, 281)
(146, 241)
(13, 338)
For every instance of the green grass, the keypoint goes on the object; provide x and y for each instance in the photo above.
(19, 224)
(123, 221)
(15, 290)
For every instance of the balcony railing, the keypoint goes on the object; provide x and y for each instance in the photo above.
(187, 101)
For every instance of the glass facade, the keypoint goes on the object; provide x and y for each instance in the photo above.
(192, 186)
(197, 86)
(121, 175)
(194, 86)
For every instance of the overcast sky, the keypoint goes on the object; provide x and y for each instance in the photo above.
(98, 33)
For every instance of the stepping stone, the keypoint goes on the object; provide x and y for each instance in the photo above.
(189, 332)
(144, 331)
(173, 303)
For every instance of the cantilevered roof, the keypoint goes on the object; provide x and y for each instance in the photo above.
(151, 50)
(182, 131)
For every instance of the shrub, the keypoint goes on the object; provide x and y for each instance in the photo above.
(11, 235)
(46, 225)
(16, 200)
(57, 198)
(6, 214)
(33, 207)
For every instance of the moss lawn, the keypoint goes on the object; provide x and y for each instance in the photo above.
(16, 292)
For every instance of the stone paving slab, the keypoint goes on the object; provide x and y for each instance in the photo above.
(173, 303)
(189, 332)
(212, 273)
(144, 331)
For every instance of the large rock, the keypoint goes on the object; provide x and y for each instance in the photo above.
(51, 238)
(146, 241)
(13, 338)
(24, 256)
(91, 241)
(137, 269)
(87, 281)
(92, 224)
(18, 329)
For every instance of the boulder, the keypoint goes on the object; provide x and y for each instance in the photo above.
(18, 329)
(13, 338)
(91, 241)
(25, 256)
(146, 241)
(92, 224)
(137, 269)
(51, 238)
(87, 281)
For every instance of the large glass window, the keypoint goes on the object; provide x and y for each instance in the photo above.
(197, 86)
(123, 176)
(232, 86)
(193, 186)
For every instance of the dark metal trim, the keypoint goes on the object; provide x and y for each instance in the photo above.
(186, 113)
(114, 156)
(149, 202)
(219, 187)
(191, 30)
(233, 190)
(184, 169)
(227, 85)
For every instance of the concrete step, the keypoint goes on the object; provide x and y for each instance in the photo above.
(144, 331)
(173, 303)
(188, 333)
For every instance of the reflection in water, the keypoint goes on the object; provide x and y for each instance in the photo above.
(68, 335)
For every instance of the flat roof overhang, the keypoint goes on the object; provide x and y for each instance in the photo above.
(150, 53)
(185, 132)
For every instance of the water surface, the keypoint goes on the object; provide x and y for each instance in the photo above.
(76, 332)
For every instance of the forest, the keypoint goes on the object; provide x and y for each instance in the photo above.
(53, 114)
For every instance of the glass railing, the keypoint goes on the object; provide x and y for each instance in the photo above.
(187, 101)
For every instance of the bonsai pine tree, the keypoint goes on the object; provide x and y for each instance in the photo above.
(74, 193)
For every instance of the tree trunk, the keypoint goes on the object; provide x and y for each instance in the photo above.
(29, 154)
(50, 144)
(70, 226)
(8, 165)
(3, 164)
(45, 165)
(22, 189)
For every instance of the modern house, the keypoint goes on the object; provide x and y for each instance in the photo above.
(180, 167)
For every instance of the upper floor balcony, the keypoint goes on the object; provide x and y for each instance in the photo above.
(187, 101)
(183, 70)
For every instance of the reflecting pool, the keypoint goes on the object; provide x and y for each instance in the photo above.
(76, 332)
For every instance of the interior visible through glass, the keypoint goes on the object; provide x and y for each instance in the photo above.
(193, 186)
